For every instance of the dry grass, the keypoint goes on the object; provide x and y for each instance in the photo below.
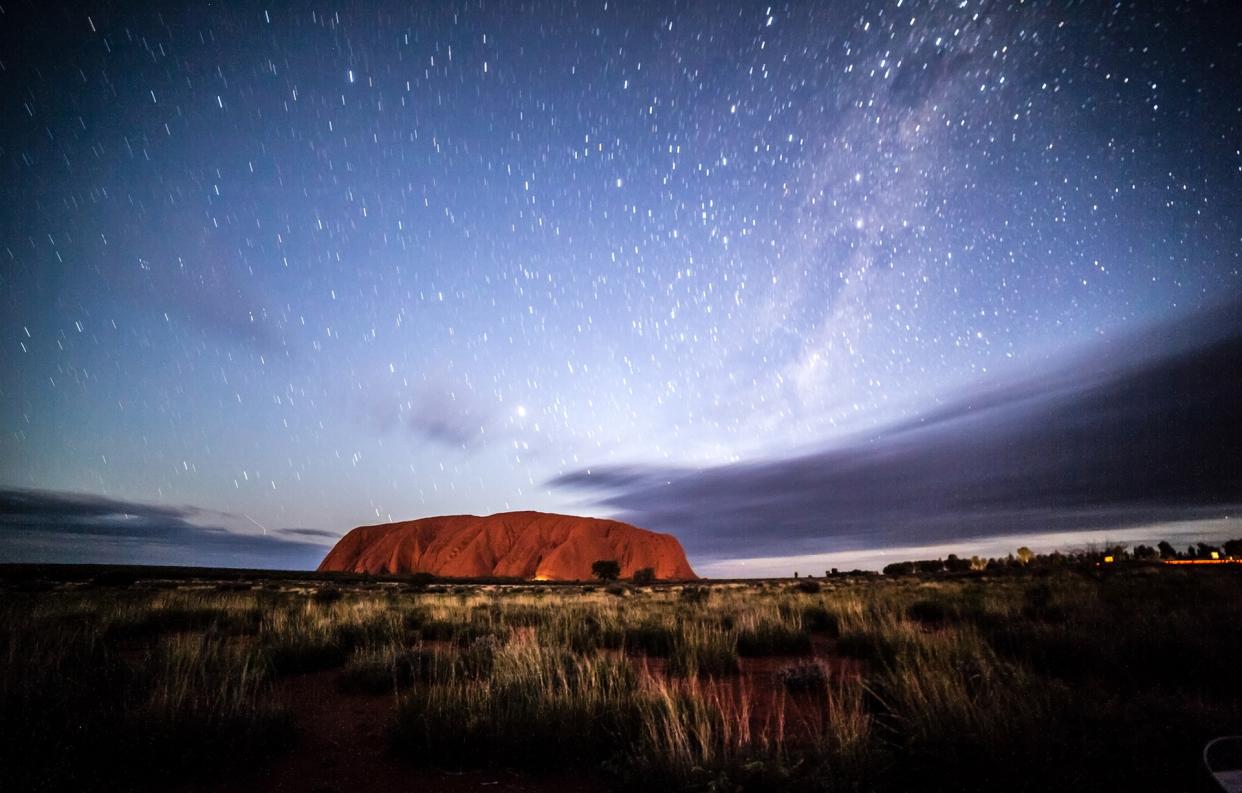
(963, 684)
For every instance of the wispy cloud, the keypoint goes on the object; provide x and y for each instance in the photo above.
(327, 535)
(435, 411)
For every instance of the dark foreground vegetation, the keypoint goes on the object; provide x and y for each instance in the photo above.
(1064, 679)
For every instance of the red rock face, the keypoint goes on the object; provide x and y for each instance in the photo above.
(535, 545)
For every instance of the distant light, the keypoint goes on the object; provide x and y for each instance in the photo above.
(1108, 560)
(521, 411)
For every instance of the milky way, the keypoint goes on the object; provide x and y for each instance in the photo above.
(283, 271)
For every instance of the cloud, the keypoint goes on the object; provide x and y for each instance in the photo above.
(43, 525)
(1146, 428)
(329, 535)
(209, 286)
(436, 412)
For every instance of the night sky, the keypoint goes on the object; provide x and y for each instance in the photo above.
(785, 280)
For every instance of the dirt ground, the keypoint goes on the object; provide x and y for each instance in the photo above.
(342, 748)
(341, 744)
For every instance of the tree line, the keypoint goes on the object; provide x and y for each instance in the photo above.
(1025, 557)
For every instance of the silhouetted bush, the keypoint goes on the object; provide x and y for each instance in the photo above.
(1037, 604)
(928, 612)
(433, 630)
(643, 576)
(820, 620)
(649, 638)
(712, 655)
(868, 647)
(382, 674)
(606, 569)
(326, 595)
(694, 594)
(954, 564)
(771, 638)
(115, 578)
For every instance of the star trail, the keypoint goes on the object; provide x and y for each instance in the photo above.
(272, 272)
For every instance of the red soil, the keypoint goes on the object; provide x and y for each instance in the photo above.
(342, 747)
(341, 743)
(527, 545)
(759, 691)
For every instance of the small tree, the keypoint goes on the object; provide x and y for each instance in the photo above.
(644, 575)
(1025, 555)
(1167, 551)
(606, 569)
(956, 565)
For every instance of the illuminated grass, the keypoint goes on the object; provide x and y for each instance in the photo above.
(880, 685)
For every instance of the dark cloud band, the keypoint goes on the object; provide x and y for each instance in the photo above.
(1147, 428)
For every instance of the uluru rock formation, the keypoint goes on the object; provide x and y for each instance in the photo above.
(535, 545)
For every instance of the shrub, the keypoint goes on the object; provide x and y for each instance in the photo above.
(431, 630)
(649, 638)
(476, 660)
(387, 668)
(772, 638)
(808, 586)
(1037, 605)
(606, 569)
(585, 635)
(539, 709)
(327, 594)
(704, 652)
(471, 633)
(928, 612)
(820, 620)
(115, 578)
(152, 621)
(695, 594)
(643, 576)
(421, 580)
(301, 654)
(864, 646)
(899, 568)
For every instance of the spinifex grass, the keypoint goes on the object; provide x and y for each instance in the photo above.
(78, 697)
(982, 683)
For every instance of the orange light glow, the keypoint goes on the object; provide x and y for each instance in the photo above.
(1203, 561)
